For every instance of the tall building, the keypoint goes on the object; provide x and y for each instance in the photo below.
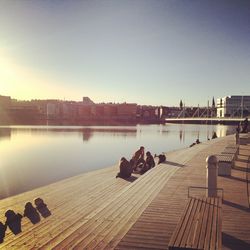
(233, 106)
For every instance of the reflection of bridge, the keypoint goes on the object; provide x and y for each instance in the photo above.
(206, 120)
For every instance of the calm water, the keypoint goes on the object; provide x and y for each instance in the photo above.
(33, 156)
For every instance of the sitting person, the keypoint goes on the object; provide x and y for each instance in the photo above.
(214, 136)
(138, 158)
(3, 228)
(31, 213)
(42, 207)
(13, 221)
(244, 126)
(126, 168)
(161, 157)
(149, 163)
(197, 141)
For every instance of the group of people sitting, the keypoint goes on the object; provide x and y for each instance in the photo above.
(13, 220)
(243, 126)
(137, 164)
(194, 143)
(214, 136)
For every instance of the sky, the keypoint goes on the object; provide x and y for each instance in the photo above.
(149, 52)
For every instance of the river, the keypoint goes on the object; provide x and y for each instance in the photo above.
(34, 156)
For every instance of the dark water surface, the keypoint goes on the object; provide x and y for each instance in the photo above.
(33, 156)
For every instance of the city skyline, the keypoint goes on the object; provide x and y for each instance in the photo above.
(145, 52)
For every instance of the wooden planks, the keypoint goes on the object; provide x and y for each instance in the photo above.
(69, 201)
(199, 227)
(89, 212)
(105, 226)
(157, 223)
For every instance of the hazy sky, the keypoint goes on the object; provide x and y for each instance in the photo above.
(144, 51)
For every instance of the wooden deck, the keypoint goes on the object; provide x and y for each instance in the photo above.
(154, 228)
(98, 211)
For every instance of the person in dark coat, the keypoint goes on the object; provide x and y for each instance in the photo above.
(138, 158)
(42, 207)
(31, 213)
(162, 158)
(3, 228)
(149, 163)
(126, 168)
(13, 221)
(214, 136)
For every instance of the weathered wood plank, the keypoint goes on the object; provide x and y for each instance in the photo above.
(177, 235)
(201, 215)
(212, 213)
(194, 227)
(215, 226)
(188, 227)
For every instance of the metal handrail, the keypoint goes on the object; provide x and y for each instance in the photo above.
(197, 187)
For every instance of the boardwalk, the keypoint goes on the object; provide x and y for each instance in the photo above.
(154, 228)
(97, 211)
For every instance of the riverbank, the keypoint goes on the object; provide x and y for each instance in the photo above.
(97, 210)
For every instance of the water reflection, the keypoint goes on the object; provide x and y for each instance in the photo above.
(181, 135)
(34, 156)
(87, 132)
(5, 133)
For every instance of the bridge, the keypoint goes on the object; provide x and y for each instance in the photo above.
(205, 120)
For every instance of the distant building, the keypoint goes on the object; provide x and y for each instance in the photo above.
(233, 106)
(52, 111)
(87, 101)
(126, 110)
(5, 102)
(23, 112)
(148, 113)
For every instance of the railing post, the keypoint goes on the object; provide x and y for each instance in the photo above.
(237, 138)
(212, 173)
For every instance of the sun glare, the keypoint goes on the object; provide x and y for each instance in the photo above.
(24, 83)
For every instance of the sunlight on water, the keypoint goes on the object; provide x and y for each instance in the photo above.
(33, 156)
